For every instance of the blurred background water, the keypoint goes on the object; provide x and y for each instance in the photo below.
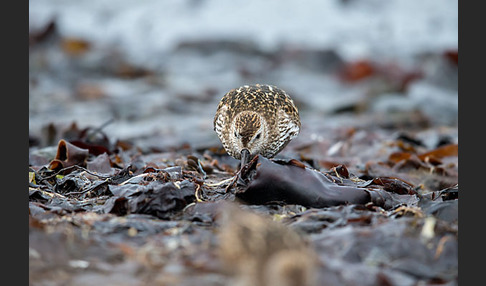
(159, 68)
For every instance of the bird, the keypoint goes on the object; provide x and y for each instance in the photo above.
(257, 119)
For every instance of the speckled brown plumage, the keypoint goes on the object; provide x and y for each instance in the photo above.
(260, 118)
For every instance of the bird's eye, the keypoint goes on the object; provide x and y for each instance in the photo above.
(236, 134)
(258, 136)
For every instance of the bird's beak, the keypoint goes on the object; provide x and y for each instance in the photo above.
(245, 157)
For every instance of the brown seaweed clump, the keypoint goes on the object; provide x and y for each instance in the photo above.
(259, 251)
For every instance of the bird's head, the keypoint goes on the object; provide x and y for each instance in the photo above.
(249, 135)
